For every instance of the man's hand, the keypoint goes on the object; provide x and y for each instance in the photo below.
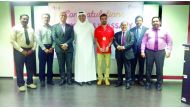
(167, 54)
(24, 53)
(30, 52)
(119, 47)
(143, 55)
(51, 50)
(107, 48)
(46, 51)
(64, 46)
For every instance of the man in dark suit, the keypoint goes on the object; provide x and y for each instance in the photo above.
(138, 32)
(63, 35)
(123, 42)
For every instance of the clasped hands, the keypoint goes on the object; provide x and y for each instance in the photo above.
(120, 48)
(64, 46)
(27, 53)
(50, 50)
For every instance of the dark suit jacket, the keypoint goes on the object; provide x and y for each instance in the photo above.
(128, 46)
(137, 45)
(60, 37)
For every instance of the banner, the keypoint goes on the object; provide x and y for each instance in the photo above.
(116, 11)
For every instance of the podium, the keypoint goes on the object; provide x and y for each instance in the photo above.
(185, 97)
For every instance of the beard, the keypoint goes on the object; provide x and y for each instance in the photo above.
(104, 22)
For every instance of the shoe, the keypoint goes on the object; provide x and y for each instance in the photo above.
(22, 89)
(62, 82)
(32, 86)
(42, 84)
(89, 83)
(99, 82)
(158, 87)
(107, 82)
(118, 84)
(80, 83)
(50, 83)
(132, 83)
(128, 86)
(141, 83)
(148, 86)
(69, 82)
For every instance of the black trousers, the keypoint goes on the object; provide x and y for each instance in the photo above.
(156, 57)
(121, 60)
(43, 59)
(30, 63)
(65, 58)
(141, 67)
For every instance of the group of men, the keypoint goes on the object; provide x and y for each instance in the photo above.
(136, 44)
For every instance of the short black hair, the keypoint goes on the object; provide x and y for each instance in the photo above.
(23, 15)
(102, 15)
(138, 17)
(46, 14)
(156, 17)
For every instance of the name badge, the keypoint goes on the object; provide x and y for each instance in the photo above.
(104, 38)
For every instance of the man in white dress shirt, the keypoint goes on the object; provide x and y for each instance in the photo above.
(23, 41)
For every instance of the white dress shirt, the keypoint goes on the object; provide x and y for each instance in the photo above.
(18, 39)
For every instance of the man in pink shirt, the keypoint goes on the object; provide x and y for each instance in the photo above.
(156, 44)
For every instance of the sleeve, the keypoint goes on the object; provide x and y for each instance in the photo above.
(114, 41)
(144, 41)
(13, 40)
(130, 43)
(71, 39)
(39, 39)
(55, 37)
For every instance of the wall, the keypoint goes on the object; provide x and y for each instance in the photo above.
(175, 20)
(6, 51)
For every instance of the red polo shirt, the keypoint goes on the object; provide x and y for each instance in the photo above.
(104, 37)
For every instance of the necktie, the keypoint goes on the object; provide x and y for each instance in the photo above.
(26, 36)
(156, 41)
(123, 39)
(138, 33)
(138, 36)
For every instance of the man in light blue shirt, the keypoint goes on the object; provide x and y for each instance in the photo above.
(46, 50)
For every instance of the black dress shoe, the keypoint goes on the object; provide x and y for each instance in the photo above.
(50, 83)
(42, 83)
(132, 83)
(128, 86)
(118, 84)
(62, 82)
(69, 82)
(158, 87)
(141, 83)
(89, 83)
(80, 83)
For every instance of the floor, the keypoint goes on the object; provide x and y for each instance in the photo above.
(89, 96)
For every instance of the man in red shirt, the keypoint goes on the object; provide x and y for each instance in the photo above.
(104, 35)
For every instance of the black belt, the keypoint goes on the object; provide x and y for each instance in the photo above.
(155, 50)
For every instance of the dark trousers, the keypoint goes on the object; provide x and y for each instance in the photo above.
(65, 58)
(141, 67)
(156, 57)
(43, 59)
(30, 63)
(121, 60)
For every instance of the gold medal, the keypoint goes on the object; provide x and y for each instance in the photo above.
(104, 38)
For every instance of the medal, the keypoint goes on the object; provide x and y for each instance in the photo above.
(104, 38)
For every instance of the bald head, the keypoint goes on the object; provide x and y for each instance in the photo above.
(63, 17)
(124, 25)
